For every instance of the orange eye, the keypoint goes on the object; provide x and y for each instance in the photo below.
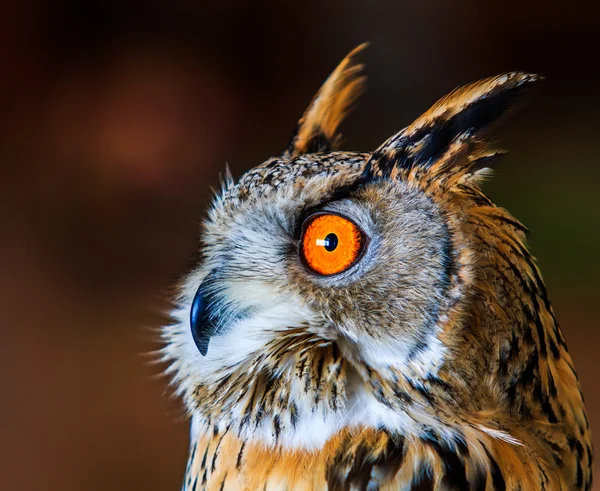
(331, 243)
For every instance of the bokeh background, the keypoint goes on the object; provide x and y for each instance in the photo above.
(117, 117)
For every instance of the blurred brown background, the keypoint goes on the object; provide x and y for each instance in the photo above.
(115, 119)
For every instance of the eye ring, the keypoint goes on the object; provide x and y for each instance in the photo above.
(331, 243)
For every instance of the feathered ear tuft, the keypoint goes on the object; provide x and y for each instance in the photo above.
(454, 125)
(317, 129)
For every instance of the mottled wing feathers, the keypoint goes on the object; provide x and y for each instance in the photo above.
(459, 119)
(317, 129)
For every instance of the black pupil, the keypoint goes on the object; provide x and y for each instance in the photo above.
(331, 242)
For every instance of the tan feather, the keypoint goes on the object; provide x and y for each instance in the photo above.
(318, 126)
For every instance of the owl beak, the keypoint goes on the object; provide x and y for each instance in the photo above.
(203, 320)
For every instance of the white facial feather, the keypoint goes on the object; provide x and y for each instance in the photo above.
(312, 429)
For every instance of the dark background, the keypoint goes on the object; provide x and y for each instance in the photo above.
(115, 120)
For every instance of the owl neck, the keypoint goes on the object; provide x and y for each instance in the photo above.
(512, 321)
(517, 375)
(301, 399)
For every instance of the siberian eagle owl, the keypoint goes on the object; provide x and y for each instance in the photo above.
(373, 320)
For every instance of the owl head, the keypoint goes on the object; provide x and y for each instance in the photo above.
(333, 285)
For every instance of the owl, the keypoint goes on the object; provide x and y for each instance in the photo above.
(372, 320)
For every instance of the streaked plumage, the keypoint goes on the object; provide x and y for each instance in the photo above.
(434, 362)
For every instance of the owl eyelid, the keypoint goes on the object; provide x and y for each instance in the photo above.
(347, 191)
(316, 214)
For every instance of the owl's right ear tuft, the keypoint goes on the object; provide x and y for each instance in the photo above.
(452, 131)
(317, 129)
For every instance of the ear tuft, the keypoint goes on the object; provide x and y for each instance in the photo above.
(463, 116)
(317, 129)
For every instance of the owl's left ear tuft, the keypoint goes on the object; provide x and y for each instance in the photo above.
(454, 126)
(317, 129)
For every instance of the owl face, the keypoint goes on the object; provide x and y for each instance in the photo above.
(265, 303)
(326, 275)
(261, 273)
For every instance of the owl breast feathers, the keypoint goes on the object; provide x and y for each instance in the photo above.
(373, 320)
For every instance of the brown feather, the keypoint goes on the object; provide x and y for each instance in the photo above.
(317, 129)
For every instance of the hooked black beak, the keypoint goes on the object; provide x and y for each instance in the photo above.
(212, 313)
(202, 318)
